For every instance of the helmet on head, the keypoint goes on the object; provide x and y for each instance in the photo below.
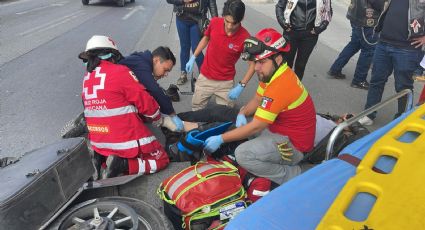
(100, 43)
(266, 43)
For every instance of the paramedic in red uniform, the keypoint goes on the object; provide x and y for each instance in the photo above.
(284, 115)
(224, 38)
(116, 106)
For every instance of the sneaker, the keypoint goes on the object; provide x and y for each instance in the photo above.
(338, 75)
(182, 79)
(366, 121)
(115, 166)
(361, 85)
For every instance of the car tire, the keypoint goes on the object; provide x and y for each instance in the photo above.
(85, 2)
(120, 3)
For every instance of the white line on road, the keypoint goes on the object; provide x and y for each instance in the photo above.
(58, 23)
(134, 10)
(52, 23)
(41, 7)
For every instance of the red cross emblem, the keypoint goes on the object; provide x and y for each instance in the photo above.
(92, 83)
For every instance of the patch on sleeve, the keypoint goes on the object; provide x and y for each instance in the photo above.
(266, 103)
(99, 129)
(133, 75)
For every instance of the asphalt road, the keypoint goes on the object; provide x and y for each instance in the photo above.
(41, 76)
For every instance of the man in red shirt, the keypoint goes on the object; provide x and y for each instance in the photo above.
(283, 112)
(224, 37)
(115, 107)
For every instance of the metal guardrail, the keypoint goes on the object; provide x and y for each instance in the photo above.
(341, 126)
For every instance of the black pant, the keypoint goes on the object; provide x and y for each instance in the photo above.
(302, 44)
(214, 113)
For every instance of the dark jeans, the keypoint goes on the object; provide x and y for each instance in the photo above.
(388, 58)
(357, 42)
(189, 36)
(302, 44)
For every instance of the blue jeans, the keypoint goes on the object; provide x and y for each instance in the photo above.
(357, 43)
(189, 36)
(388, 58)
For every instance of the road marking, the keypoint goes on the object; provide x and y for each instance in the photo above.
(52, 24)
(134, 10)
(41, 7)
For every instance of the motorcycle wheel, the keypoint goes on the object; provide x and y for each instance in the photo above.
(113, 212)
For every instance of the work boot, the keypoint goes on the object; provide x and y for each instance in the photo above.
(182, 79)
(172, 93)
(336, 75)
(115, 166)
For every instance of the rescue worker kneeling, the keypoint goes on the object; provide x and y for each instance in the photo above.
(283, 112)
(116, 107)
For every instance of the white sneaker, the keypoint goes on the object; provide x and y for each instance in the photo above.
(366, 121)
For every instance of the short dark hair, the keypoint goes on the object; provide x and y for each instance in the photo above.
(234, 8)
(164, 53)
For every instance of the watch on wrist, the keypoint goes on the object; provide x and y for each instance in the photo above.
(242, 84)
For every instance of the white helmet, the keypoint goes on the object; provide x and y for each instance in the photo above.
(99, 42)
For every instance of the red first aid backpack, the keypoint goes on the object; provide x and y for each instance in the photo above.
(203, 196)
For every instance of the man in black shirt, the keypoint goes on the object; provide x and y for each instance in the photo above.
(399, 50)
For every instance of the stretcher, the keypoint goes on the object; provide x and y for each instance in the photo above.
(339, 195)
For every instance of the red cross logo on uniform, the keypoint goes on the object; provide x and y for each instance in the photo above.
(92, 83)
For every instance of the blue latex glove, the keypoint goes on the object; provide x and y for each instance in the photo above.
(189, 64)
(240, 120)
(213, 143)
(178, 122)
(235, 92)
